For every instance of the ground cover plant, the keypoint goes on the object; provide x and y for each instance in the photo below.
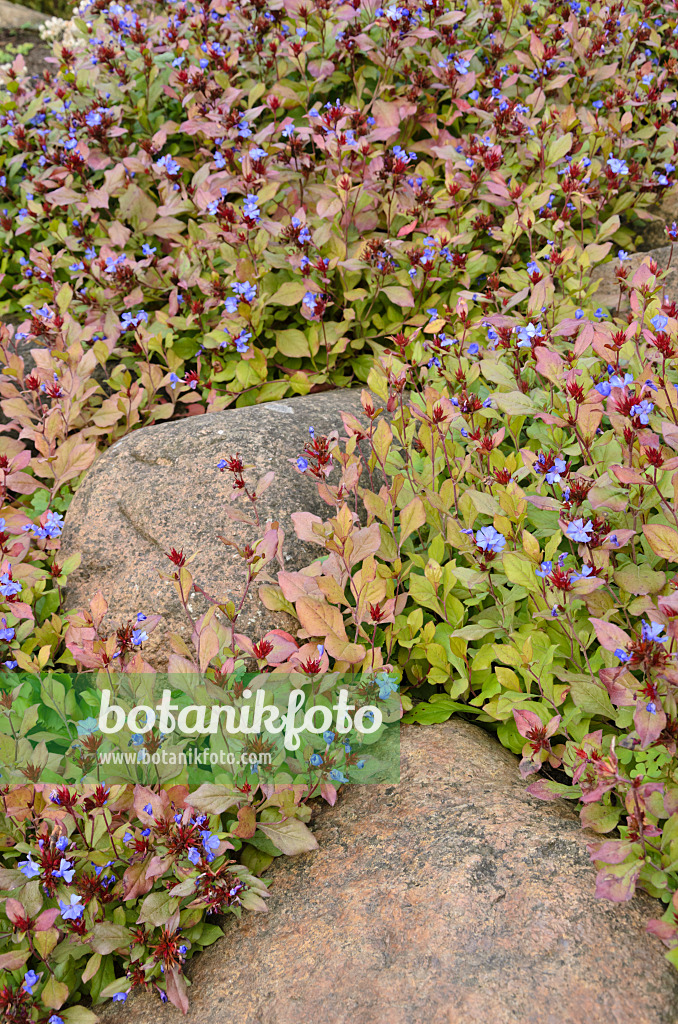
(208, 205)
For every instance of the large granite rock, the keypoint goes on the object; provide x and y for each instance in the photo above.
(17, 16)
(607, 293)
(159, 488)
(451, 898)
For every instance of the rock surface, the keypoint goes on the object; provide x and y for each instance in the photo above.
(665, 212)
(607, 293)
(159, 488)
(451, 898)
(17, 16)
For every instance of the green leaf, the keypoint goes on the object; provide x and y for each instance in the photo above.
(290, 836)
(107, 936)
(412, 517)
(520, 570)
(590, 697)
(54, 994)
(289, 294)
(78, 1015)
(293, 344)
(400, 295)
(559, 148)
(157, 908)
(663, 540)
(639, 579)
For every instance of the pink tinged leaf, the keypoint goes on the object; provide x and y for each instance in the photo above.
(46, 919)
(328, 793)
(14, 910)
(13, 960)
(545, 789)
(609, 636)
(245, 644)
(86, 658)
(366, 541)
(618, 883)
(628, 476)
(98, 607)
(295, 585)
(610, 851)
(662, 930)
(649, 726)
(620, 694)
(668, 605)
(528, 767)
(176, 989)
(284, 646)
(526, 722)
(550, 364)
(303, 527)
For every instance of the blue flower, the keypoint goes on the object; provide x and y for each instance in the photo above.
(545, 570)
(7, 632)
(621, 382)
(338, 776)
(622, 256)
(241, 341)
(148, 809)
(659, 322)
(617, 166)
(642, 410)
(302, 464)
(316, 760)
(251, 207)
(328, 737)
(66, 870)
(387, 685)
(168, 164)
(194, 855)
(87, 726)
(8, 586)
(55, 1019)
(651, 707)
(73, 910)
(209, 841)
(120, 997)
(139, 636)
(552, 474)
(29, 868)
(30, 980)
(579, 531)
(652, 631)
(489, 539)
(604, 388)
(527, 334)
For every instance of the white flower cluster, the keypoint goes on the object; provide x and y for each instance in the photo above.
(62, 31)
